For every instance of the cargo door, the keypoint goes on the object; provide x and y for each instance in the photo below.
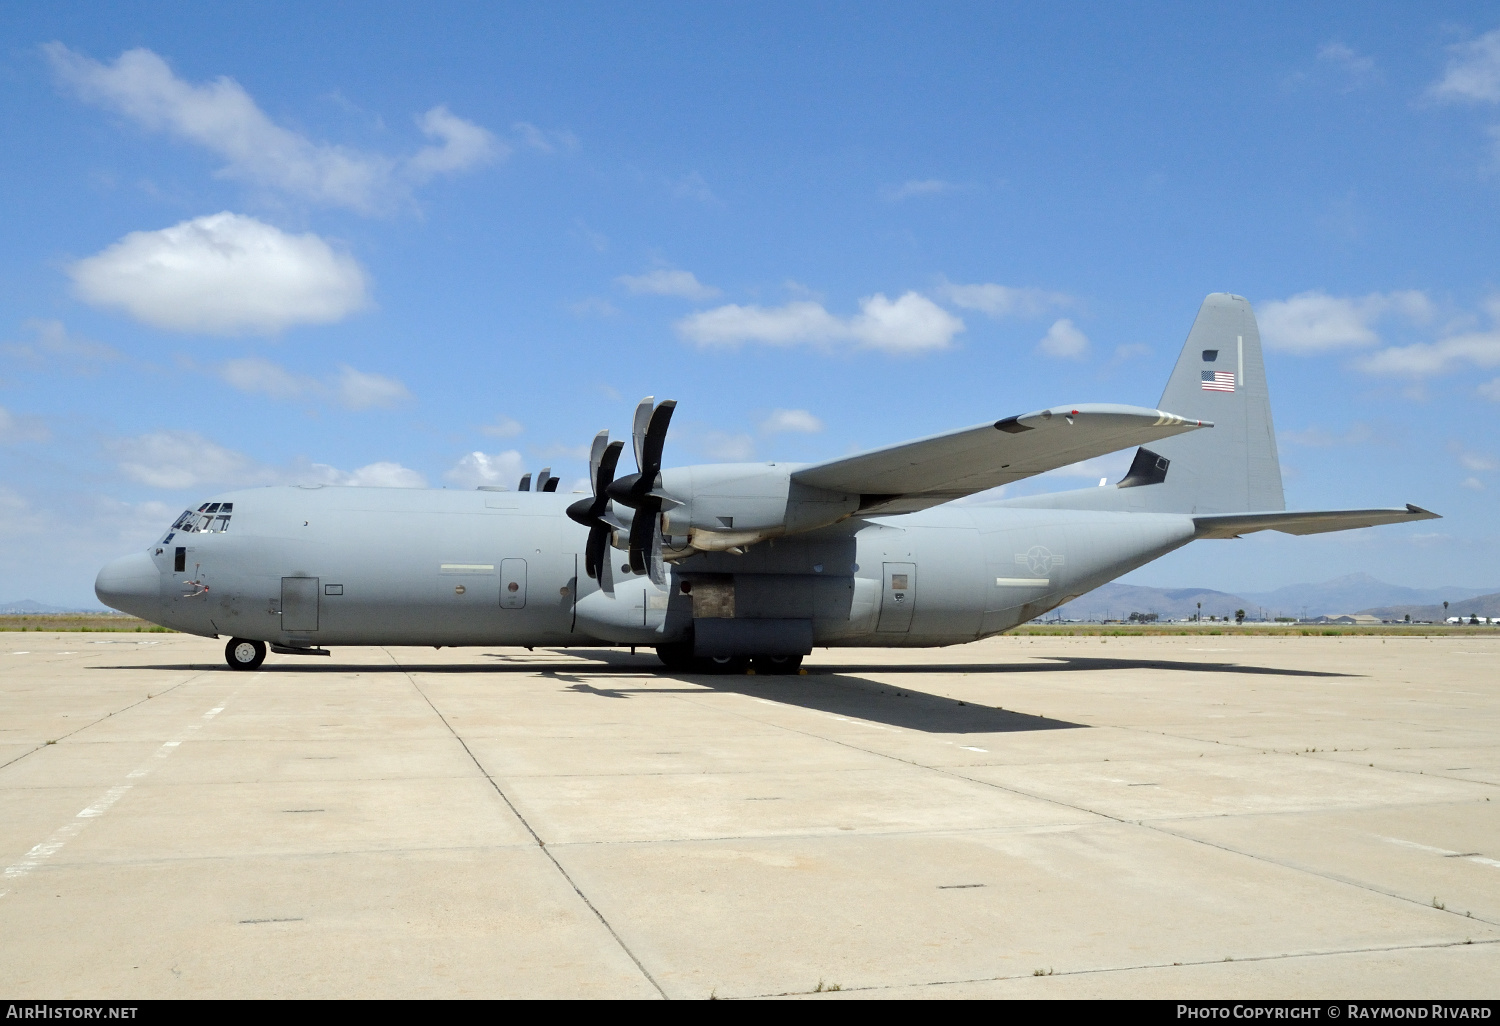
(513, 584)
(299, 603)
(898, 598)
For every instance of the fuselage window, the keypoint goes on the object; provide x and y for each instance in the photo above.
(221, 523)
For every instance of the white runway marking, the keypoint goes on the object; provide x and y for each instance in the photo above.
(52, 845)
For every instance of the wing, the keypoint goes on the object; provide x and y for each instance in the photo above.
(1232, 525)
(915, 475)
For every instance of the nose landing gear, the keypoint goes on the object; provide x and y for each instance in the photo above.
(244, 655)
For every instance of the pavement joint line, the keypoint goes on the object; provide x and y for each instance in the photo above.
(95, 723)
(1295, 867)
(40, 853)
(1332, 953)
(530, 830)
(1322, 874)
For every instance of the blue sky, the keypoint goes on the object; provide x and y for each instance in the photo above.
(369, 243)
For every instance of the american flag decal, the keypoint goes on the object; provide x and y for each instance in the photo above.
(1218, 381)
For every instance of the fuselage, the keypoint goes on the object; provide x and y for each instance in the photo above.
(315, 566)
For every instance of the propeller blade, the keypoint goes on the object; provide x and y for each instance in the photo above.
(656, 437)
(654, 564)
(551, 484)
(525, 485)
(604, 473)
(543, 478)
(642, 527)
(597, 550)
(596, 457)
(638, 433)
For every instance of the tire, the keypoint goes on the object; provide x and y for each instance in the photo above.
(725, 664)
(777, 664)
(241, 654)
(677, 657)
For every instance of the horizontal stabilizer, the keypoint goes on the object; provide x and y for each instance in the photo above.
(915, 475)
(1232, 525)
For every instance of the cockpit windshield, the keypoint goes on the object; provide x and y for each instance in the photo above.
(211, 517)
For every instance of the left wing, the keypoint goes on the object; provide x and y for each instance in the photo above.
(1232, 525)
(928, 471)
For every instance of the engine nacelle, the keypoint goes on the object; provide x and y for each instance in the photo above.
(719, 507)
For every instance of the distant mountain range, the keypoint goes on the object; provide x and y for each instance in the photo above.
(1355, 593)
(31, 606)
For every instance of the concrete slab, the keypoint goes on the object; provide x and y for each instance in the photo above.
(899, 823)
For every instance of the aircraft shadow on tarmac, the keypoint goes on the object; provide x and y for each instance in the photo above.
(836, 690)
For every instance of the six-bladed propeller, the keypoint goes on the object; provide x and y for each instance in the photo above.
(638, 490)
(590, 512)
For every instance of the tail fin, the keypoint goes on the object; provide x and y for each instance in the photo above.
(1230, 468)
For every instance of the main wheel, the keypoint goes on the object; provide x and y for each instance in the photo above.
(777, 664)
(677, 656)
(244, 655)
(725, 664)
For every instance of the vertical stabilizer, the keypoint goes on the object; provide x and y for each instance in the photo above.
(1230, 468)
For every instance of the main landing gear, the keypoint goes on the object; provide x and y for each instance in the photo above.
(244, 655)
(679, 658)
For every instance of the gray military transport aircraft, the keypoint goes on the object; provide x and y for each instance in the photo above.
(719, 565)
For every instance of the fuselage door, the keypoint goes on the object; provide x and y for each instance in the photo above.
(299, 603)
(513, 584)
(898, 598)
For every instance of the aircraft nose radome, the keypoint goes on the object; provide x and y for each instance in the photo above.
(131, 584)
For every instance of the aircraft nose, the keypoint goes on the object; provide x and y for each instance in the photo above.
(131, 584)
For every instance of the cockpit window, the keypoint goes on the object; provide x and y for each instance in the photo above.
(211, 517)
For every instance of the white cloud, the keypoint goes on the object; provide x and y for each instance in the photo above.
(1473, 71)
(374, 475)
(503, 469)
(356, 390)
(1477, 461)
(258, 376)
(184, 459)
(800, 421)
(923, 187)
(1481, 349)
(1315, 322)
(1356, 67)
(1321, 438)
(222, 117)
(665, 282)
(461, 145)
(913, 323)
(223, 274)
(544, 140)
(594, 307)
(359, 390)
(1003, 300)
(1064, 340)
(1490, 390)
(54, 345)
(503, 427)
(692, 186)
(20, 428)
(1473, 484)
(727, 446)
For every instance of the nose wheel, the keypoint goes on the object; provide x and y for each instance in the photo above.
(244, 655)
